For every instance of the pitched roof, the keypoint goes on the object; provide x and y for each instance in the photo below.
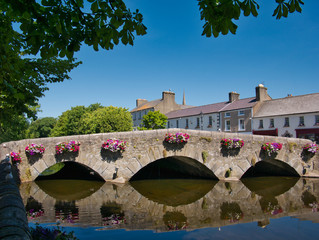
(241, 103)
(147, 105)
(213, 108)
(289, 105)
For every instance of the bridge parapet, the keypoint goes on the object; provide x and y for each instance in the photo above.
(145, 147)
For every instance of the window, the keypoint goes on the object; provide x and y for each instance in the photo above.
(301, 121)
(241, 112)
(272, 123)
(227, 114)
(134, 116)
(186, 123)
(177, 125)
(168, 124)
(286, 122)
(139, 115)
(261, 123)
(317, 120)
(197, 122)
(210, 121)
(227, 125)
(241, 124)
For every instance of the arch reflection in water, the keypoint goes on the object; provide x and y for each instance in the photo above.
(216, 205)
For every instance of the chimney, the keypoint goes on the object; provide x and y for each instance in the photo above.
(140, 102)
(261, 93)
(168, 96)
(233, 96)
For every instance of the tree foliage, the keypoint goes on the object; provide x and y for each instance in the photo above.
(92, 119)
(154, 120)
(13, 128)
(59, 27)
(219, 15)
(107, 119)
(49, 30)
(41, 127)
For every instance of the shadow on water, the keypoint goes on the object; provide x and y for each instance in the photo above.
(173, 192)
(269, 186)
(69, 190)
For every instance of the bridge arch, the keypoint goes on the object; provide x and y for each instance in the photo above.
(174, 167)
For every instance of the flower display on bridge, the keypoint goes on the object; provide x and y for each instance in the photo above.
(271, 148)
(114, 145)
(310, 148)
(15, 157)
(70, 147)
(178, 137)
(34, 149)
(232, 143)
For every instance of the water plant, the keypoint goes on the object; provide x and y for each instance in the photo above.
(34, 149)
(114, 145)
(178, 137)
(70, 147)
(232, 143)
(15, 157)
(310, 148)
(271, 148)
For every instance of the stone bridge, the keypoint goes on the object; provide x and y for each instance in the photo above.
(201, 157)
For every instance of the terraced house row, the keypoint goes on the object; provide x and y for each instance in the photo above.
(291, 116)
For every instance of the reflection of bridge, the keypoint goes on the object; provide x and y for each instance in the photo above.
(225, 204)
(201, 157)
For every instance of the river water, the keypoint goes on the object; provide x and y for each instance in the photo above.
(254, 208)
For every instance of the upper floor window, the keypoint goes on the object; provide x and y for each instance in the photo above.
(168, 124)
(241, 112)
(272, 123)
(197, 122)
(301, 121)
(139, 115)
(227, 114)
(286, 122)
(317, 120)
(227, 125)
(177, 125)
(210, 121)
(186, 125)
(241, 124)
(134, 116)
(261, 123)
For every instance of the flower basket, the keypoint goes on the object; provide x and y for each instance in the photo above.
(15, 157)
(271, 148)
(176, 138)
(310, 148)
(34, 149)
(232, 143)
(114, 145)
(70, 147)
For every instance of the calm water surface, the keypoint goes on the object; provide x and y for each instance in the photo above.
(256, 208)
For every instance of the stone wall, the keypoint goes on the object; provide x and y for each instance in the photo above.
(145, 147)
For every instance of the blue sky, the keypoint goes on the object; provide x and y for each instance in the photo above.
(281, 54)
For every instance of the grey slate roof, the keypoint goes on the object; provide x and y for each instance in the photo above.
(213, 108)
(289, 105)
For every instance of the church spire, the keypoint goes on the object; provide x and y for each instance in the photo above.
(184, 102)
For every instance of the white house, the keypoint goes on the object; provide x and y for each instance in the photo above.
(292, 116)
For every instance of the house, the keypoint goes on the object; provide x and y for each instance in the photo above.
(292, 116)
(233, 115)
(164, 105)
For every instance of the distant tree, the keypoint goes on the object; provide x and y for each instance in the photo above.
(154, 120)
(218, 15)
(107, 119)
(70, 122)
(41, 127)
